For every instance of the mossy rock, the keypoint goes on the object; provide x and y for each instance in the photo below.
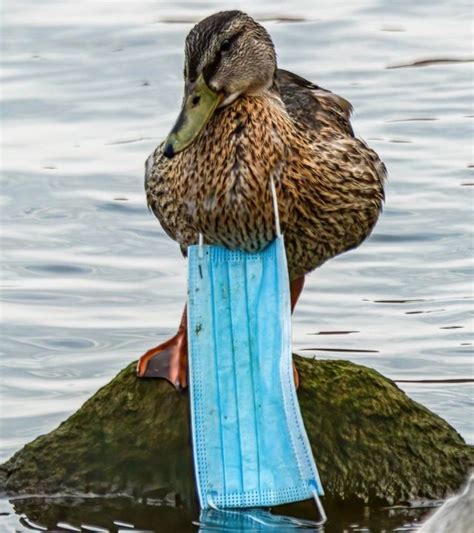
(371, 441)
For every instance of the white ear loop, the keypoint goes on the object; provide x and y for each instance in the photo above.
(210, 502)
(275, 207)
(201, 246)
(319, 505)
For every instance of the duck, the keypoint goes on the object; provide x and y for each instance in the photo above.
(244, 122)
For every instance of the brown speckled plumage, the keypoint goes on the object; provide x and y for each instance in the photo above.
(329, 183)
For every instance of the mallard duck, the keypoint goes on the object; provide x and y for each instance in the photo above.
(243, 122)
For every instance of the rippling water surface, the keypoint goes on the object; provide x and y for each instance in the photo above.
(90, 281)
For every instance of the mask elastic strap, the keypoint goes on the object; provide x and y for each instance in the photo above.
(210, 502)
(275, 207)
(201, 246)
(319, 505)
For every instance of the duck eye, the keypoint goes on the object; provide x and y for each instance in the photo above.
(225, 45)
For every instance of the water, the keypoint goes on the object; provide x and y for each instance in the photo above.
(121, 515)
(90, 281)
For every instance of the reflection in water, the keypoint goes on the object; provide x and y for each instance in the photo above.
(103, 514)
(125, 514)
(333, 333)
(213, 520)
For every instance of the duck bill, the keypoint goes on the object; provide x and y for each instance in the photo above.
(199, 104)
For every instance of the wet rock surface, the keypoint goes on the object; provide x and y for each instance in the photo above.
(371, 441)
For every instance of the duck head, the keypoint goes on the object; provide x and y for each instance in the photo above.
(226, 55)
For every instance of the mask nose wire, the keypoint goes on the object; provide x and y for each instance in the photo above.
(275, 207)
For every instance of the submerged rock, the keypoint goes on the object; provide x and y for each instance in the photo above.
(370, 440)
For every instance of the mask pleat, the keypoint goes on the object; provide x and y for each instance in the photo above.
(222, 374)
(253, 397)
(202, 324)
(233, 349)
(280, 465)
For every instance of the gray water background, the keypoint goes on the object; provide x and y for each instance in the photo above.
(90, 280)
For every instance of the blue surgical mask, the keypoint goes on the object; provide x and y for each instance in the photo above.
(250, 445)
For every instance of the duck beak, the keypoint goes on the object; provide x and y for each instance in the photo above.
(199, 104)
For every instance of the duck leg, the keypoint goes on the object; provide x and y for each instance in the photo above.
(168, 360)
(296, 286)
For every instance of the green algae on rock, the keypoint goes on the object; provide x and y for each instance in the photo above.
(370, 440)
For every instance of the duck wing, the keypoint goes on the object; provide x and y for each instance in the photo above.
(312, 107)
